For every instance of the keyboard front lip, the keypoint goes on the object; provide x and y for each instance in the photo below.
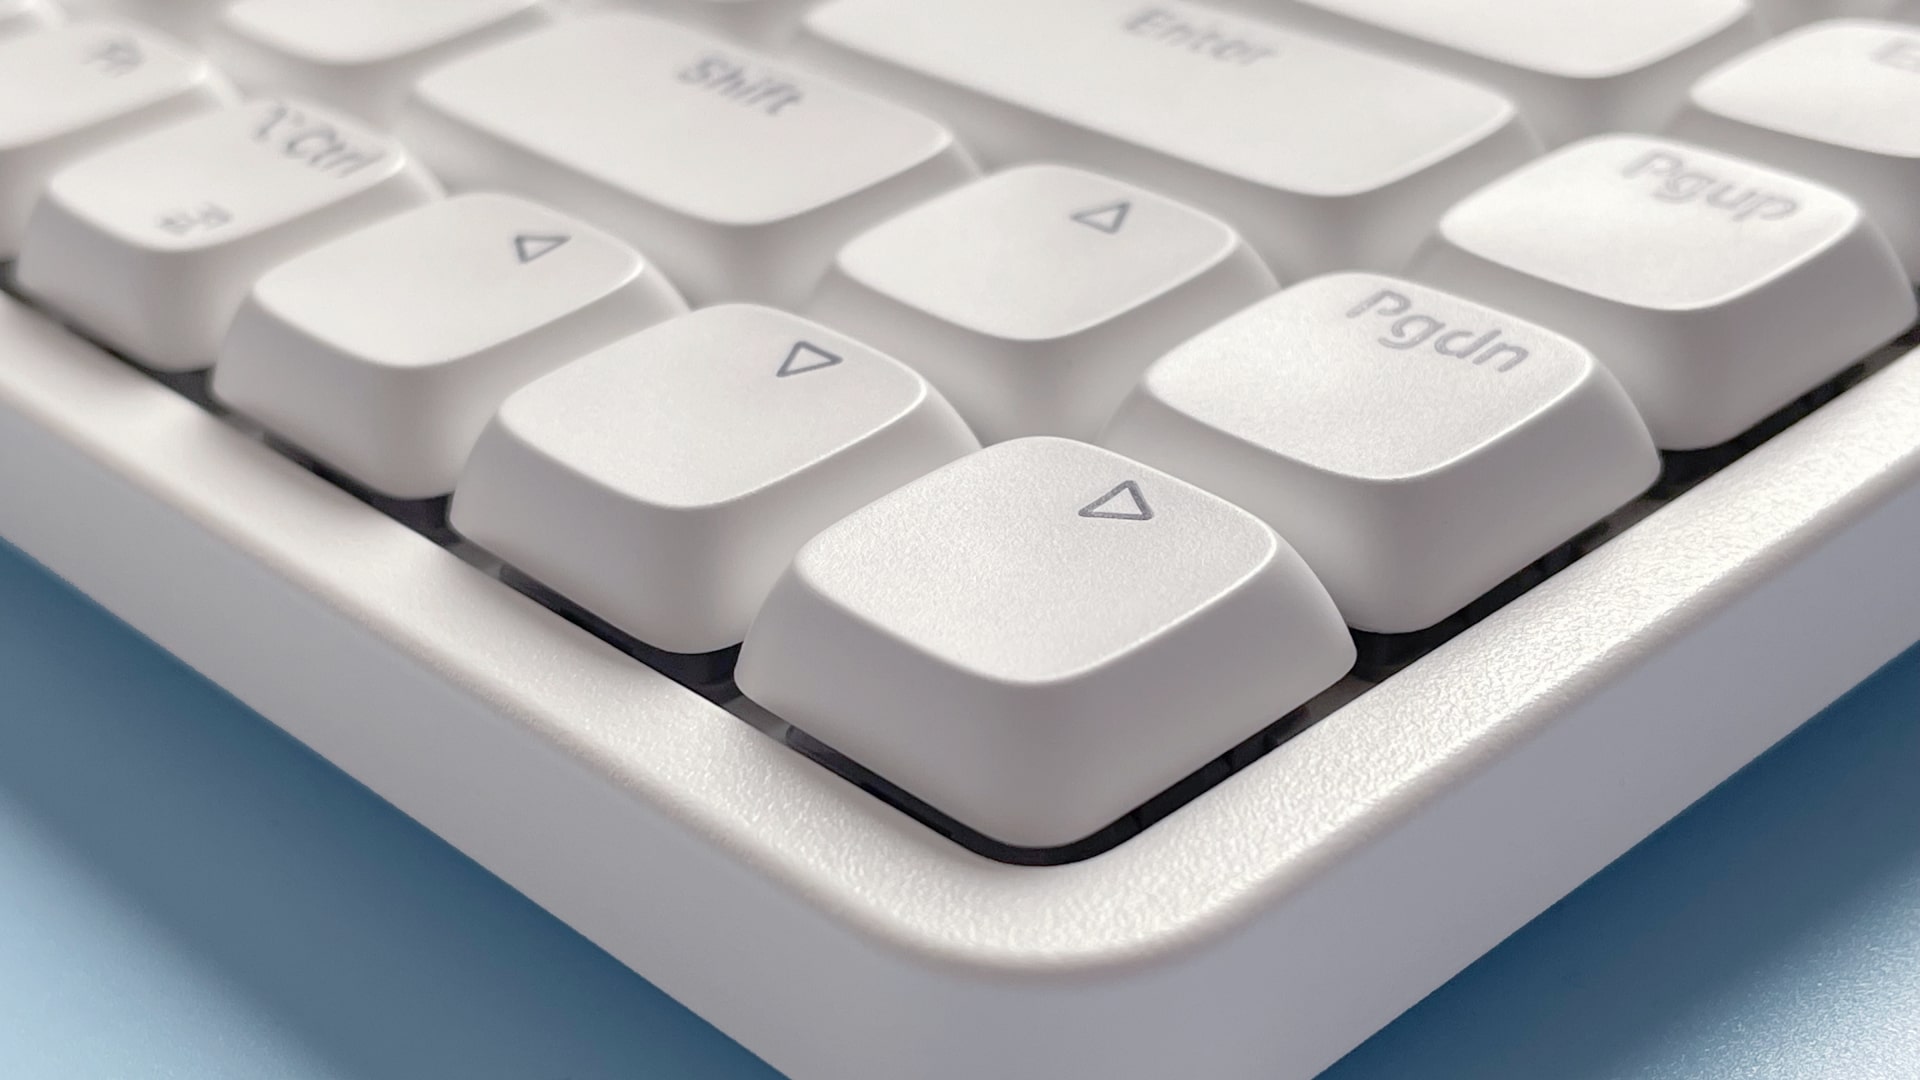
(156, 507)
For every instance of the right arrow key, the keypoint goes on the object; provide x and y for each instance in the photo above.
(1041, 636)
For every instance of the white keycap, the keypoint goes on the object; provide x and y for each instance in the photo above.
(1323, 156)
(765, 24)
(1576, 67)
(1039, 637)
(1717, 290)
(68, 91)
(1416, 448)
(1033, 299)
(665, 482)
(1838, 102)
(152, 244)
(185, 20)
(740, 176)
(20, 16)
(385, 352)
(362, 56)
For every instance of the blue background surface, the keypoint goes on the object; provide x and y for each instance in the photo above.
(186, 892)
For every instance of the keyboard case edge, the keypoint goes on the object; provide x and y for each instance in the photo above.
(1262, 930)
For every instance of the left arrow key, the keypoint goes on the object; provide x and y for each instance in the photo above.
(384, 353)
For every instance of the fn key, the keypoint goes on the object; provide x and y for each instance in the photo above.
(1039, 637)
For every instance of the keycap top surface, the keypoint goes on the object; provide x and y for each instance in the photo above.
(1853, 83)
(1568, 38)
(56, 81)
(1014, 538)
(795, 144)
(448, 280)
(1122, 64)
(641, 419)
(1041, 636)
(1316, 370)
(1037, 253)
(1650, 222)
(664, 483)
(260, 164)
(354, 32)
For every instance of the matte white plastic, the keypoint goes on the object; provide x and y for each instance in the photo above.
(360, 56)
(22, 16)
(665, 481)
(1575, 67)
(385, 352)
(72, 90)
(1835, 102)
(764, 24)
(190, 21)
(152, 243)
(740, 175)
(1035, 297)
(1253, 121)
(1262, 930)
(1689, 273)
(1042, 636)
(1415, 447)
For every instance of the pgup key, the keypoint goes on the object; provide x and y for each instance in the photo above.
(152, 244)
(1718, 290)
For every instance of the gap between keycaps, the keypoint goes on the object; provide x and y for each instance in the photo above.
(1381, 655)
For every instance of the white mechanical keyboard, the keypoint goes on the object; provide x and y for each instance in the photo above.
(1015, 538)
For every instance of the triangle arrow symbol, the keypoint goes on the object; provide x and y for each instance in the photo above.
(804, 357)
(530, 247)
(1108, 218)
(1123, 503)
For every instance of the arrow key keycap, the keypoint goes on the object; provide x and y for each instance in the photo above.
(664, 482)
(1039, 637)
(384, 353)
(1035, 297)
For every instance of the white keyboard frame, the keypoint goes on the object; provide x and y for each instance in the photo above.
(1263, 930)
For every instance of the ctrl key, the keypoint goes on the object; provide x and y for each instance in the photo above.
(1041, 636)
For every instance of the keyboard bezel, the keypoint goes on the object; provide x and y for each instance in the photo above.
(1269, 925)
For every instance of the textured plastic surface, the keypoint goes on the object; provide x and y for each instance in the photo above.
(186, 892)
(1264, 929)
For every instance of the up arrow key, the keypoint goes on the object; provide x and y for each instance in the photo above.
(1123, 503)
(530, 248)
(1107, 219)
